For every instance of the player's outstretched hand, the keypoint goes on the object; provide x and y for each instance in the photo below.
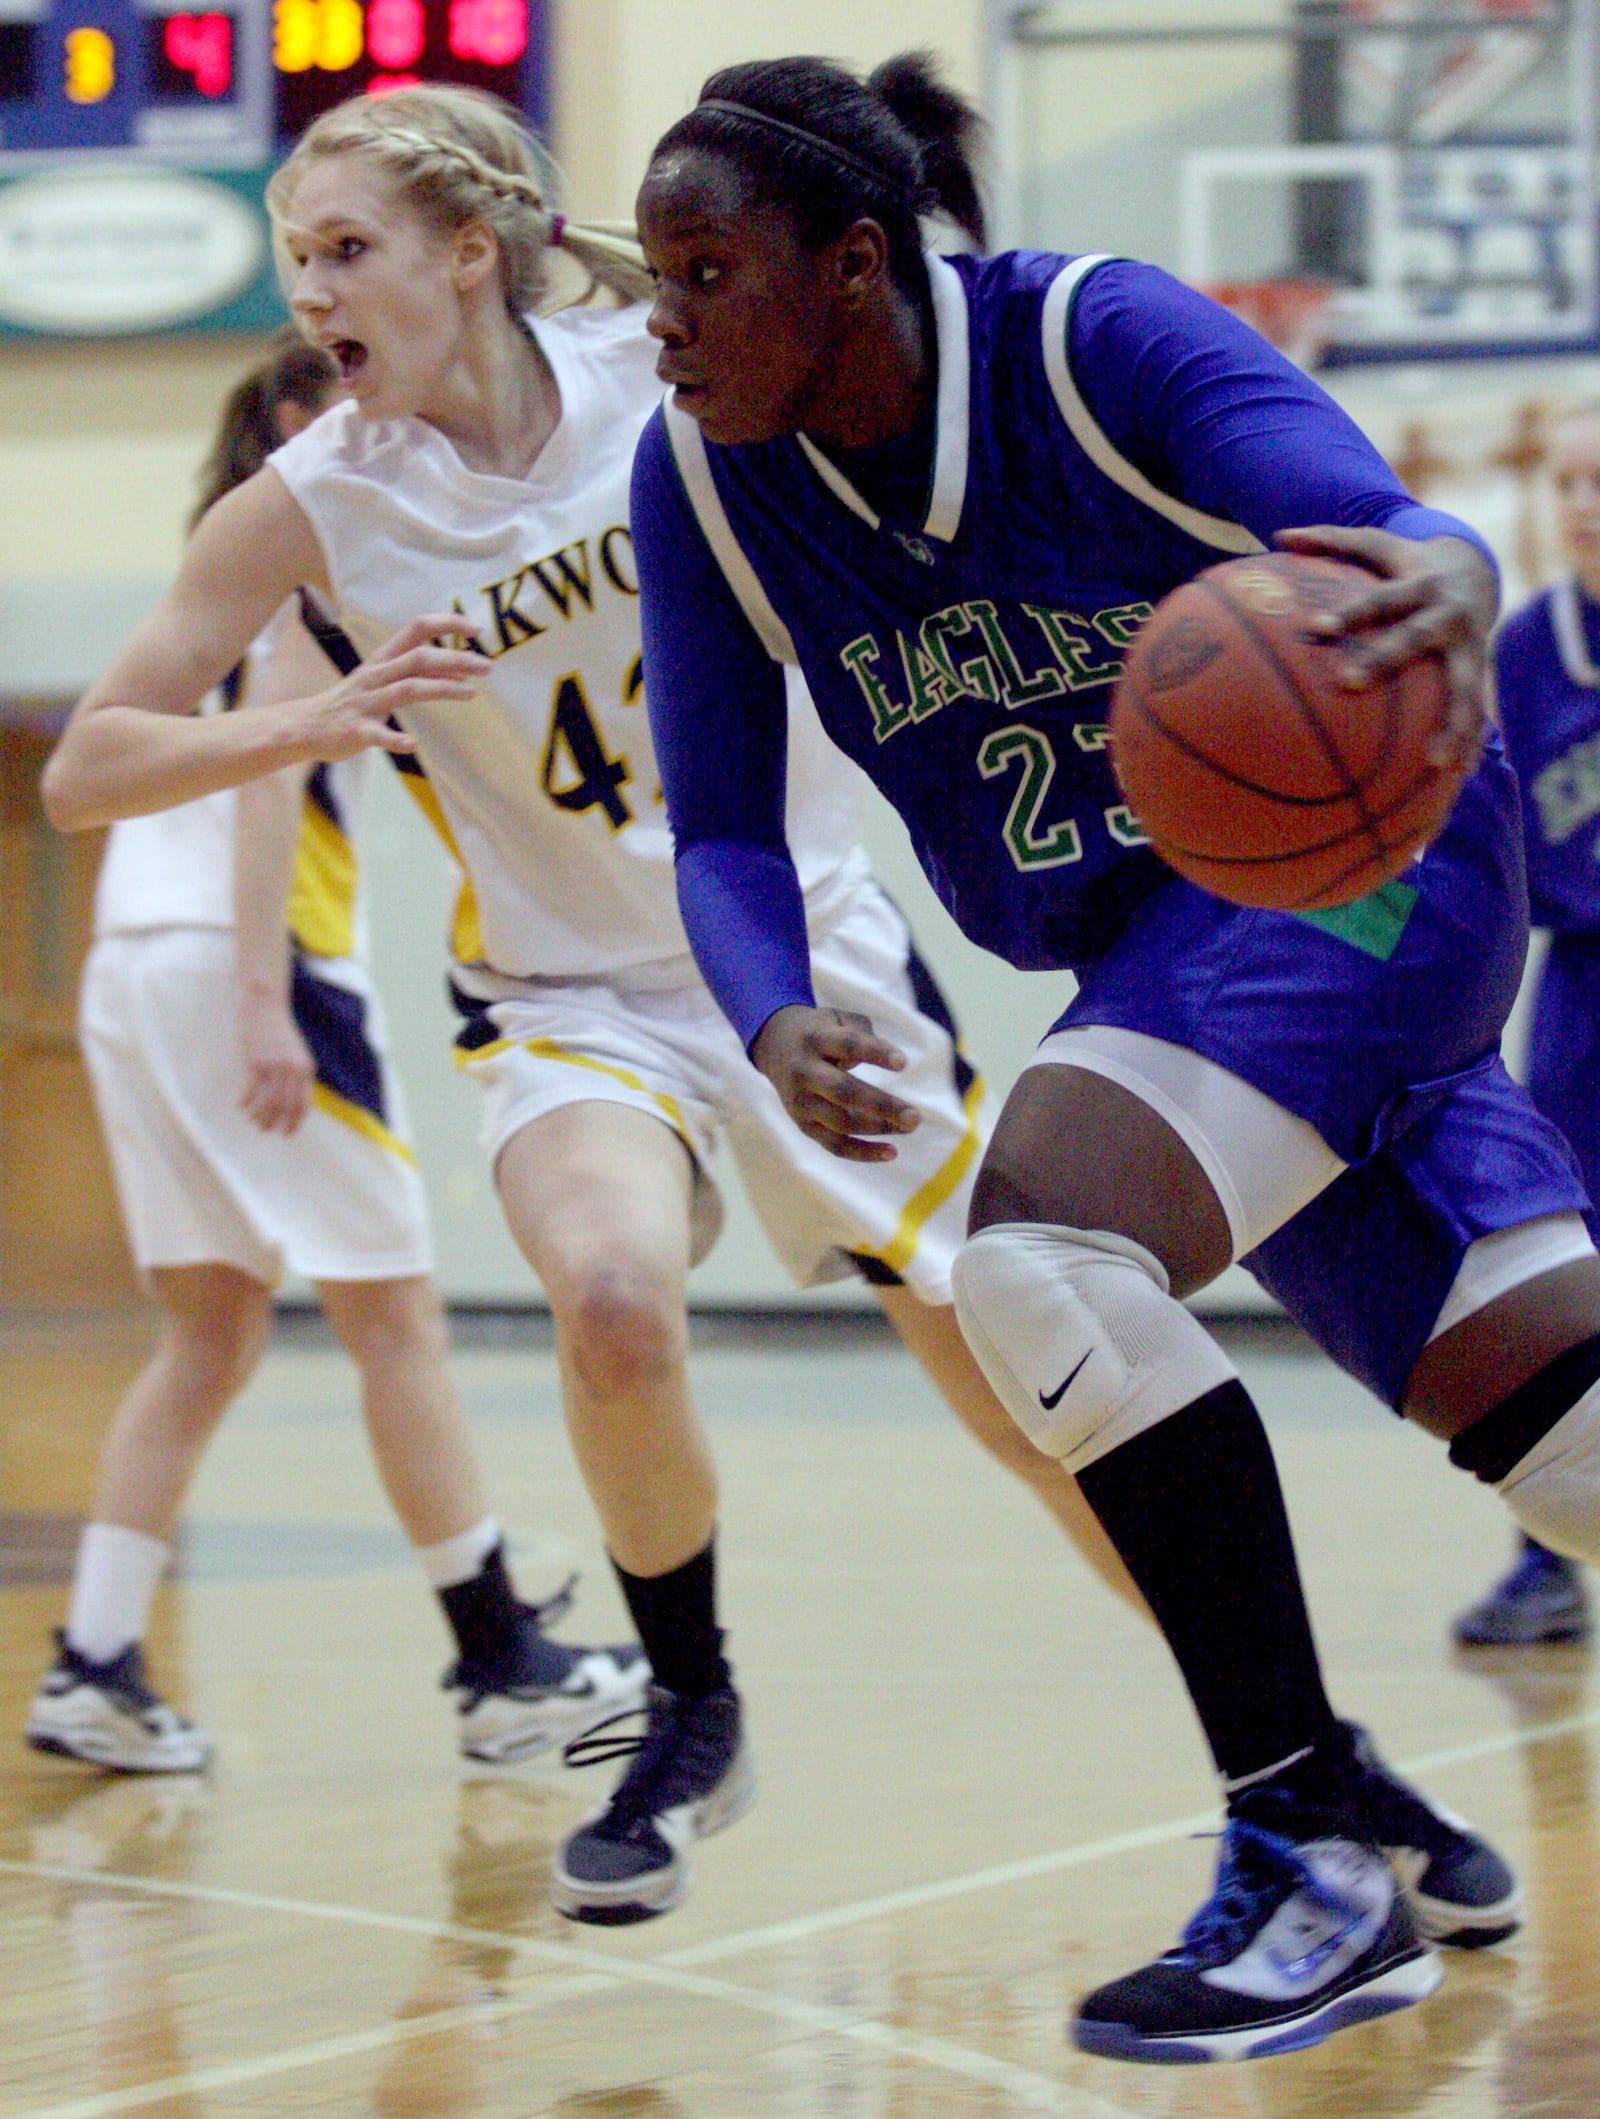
(411, 669)
(1431, 596)
(808, 1055)
(278, 1066)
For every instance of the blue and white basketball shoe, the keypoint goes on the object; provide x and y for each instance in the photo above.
(1300, 1938)
(1541, 1603)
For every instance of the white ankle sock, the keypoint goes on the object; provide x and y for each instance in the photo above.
(459, 1558)
(113, 1587)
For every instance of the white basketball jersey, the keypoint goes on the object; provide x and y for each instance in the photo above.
(546, 778)
(174, 868)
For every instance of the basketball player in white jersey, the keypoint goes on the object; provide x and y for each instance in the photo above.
(254, 1125)
(464, 512)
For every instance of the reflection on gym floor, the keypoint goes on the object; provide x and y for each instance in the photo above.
(980, 1786)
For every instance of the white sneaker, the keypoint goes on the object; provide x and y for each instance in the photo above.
(551, 1695)
(107, 1715)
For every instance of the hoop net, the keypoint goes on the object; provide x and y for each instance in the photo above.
(1293, 315)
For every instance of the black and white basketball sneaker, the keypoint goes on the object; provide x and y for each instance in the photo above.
(107, 1715)
(692, 1775)
(1459, 1889)
(1300, 1938)
(541, 1692)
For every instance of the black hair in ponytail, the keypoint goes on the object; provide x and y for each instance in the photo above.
(949, 132)
(812, 139)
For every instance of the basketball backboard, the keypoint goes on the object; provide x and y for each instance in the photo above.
(1429, 163)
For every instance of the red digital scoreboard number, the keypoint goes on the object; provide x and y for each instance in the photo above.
(397, 33)
(495, 31)
(194, 56)
(326, 50)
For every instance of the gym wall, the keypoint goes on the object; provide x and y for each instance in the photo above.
(99, 445)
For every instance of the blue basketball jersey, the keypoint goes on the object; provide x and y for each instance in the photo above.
(1547, 662)
(1547, 668)
(1101, 434)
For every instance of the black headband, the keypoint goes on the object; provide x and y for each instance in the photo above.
(815, 140)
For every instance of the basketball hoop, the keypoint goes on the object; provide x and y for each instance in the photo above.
(1292, 315)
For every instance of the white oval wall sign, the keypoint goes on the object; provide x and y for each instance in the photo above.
(109, 249)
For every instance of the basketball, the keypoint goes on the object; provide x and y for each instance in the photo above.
(1253, 770)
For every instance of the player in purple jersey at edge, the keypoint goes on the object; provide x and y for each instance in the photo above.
(950, 490)
(1547, 674)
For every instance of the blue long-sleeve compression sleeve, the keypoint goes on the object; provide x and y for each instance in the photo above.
(719, 719)
(1214, 416)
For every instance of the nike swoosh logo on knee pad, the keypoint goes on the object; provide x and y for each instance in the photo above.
(1060, 1391)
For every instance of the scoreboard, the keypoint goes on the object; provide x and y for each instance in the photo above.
(325, 50)
(136, 138)
(220, 83)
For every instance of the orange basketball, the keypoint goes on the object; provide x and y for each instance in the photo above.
(1256, 773)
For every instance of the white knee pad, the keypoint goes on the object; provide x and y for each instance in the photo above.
(1078, 1336)
(1554, 1492)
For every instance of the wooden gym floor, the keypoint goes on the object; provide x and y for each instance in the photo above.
(981, 1785)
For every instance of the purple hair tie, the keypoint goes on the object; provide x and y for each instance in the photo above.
(558, 228)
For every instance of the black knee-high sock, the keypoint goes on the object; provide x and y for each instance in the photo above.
(1194, 1507)
(676, 1614)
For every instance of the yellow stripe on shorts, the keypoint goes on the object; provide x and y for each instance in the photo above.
(547, 1048)
(898, 1252)
(322, 898)
(360, 1121)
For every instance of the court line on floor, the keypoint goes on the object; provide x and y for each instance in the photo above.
(1033, 2091)
(672, 1970)
(352, 2045)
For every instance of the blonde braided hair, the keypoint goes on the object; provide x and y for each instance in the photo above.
(460, 156)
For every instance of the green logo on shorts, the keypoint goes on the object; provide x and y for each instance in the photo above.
(1373, 924)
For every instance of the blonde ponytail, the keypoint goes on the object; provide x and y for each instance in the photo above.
(460, 156)
(610, 253)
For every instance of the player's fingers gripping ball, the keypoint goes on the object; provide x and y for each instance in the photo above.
(1256, 772)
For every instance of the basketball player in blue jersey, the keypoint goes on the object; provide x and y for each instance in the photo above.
(1547, 673)
(951, 490)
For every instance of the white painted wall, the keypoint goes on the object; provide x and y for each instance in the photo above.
(627, 68)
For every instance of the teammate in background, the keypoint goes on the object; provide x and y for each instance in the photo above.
(254, 1125)
(949, 490)
(479, 471)
(1547, 668)
(1540, 1603)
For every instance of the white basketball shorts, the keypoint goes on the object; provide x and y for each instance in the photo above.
(673, 1053)
(199, 1182)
